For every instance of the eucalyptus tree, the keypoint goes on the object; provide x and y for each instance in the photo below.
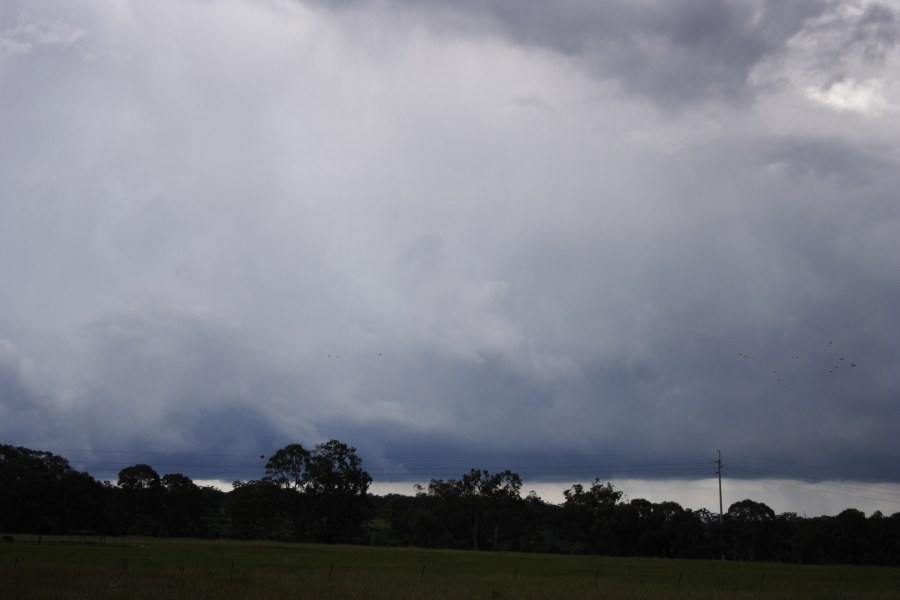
(327, 487)
(478, 501)
(142, 494)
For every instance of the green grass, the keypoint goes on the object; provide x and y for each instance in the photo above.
(189, 569)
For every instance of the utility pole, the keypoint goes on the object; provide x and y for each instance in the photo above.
(719, 473)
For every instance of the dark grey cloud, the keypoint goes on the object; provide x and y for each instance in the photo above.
(16, 389)
(437, 234)
(670, 53)
(846, 164)
(871, 32)
(877, 30)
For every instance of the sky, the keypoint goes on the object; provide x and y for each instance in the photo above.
(571, 239)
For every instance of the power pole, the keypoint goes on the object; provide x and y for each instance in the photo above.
(719, 473)
(721, 516)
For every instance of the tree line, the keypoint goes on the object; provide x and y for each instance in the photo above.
(321, 495)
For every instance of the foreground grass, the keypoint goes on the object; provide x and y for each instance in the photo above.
(189, 569)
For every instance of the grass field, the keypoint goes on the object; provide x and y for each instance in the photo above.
(189, 569)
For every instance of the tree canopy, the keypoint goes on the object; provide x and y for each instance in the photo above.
(321, 495)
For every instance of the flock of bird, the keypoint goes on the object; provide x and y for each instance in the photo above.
(841, 361)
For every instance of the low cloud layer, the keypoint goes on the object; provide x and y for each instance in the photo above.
(571, 239)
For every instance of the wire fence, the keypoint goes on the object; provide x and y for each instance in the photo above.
(83, 538)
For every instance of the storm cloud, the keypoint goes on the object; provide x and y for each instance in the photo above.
(575, 239)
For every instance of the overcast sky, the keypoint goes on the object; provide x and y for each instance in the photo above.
(572, 239)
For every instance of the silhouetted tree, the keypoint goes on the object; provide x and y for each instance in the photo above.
(287, 467)
(142, 495)
(84, 503)
(259, 509)
(322, 495)
(749, 525)
(32, 485)
(325, 490)
(587, 514)
(336, 485)
(183, 506)
(478, 505)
